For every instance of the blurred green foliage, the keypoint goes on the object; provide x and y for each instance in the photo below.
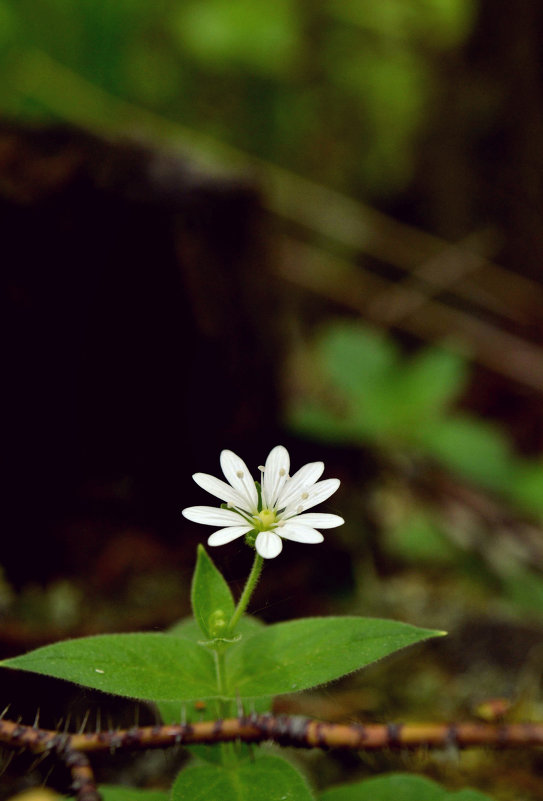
(335, 90)
(375, 395)
(362, 390)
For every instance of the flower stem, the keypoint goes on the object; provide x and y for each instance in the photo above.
(243, 602)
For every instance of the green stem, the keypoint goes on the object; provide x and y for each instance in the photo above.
(243, 602)
(228, 755)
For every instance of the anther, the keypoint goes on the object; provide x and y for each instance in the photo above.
(261, 468)
(299, 509)
(239, 474)
(304, 496)
(282, 472)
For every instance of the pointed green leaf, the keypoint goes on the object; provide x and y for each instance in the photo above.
(212, 601)
(147, 666)
(268, 778)
(299, 654)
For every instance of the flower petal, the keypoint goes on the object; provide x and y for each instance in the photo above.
(224, 535)
(296, 533)
(275, 475)
(317, 520)
(301, 481)
(268, 544)
(219, 488)
(238, 475)
(211, 516)
(316, 494)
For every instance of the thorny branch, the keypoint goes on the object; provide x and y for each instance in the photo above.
(288, 730)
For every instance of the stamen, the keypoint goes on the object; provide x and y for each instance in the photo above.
(240, 473)
(304, 496)
(261, 468)
(282, 472)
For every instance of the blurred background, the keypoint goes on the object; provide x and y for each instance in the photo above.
(234, 223)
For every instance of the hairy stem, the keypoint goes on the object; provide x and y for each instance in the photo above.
(251, 583)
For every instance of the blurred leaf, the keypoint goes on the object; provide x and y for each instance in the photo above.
(418, 538)
(399, 787)
(260, 36)
(429, 382)
(440, 23)
(471, 447)
(525, 589)
(526, 486)
(356, 358)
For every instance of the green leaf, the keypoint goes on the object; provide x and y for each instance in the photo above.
(268, 778)
(526, 487)
(357, 359)
(431, 380)
(399, 787)
(293, 656)
(417, 538)
(147, 666)
(111, 792)
(261, 37)
(212, 601)
(471, 447)
(172, 711)
(278, 659)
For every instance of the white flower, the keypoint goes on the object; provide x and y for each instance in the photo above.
(277, 512)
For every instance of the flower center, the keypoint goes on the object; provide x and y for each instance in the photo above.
(265, 519)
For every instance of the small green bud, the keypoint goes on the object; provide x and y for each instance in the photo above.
(217, 623)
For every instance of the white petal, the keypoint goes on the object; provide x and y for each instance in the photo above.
(268, 544)
(275, 475)
(291, 531)
(211, 516)
(224, 535)
(301, 481)
(317, 520)
(219, 488)
(238, 475)
(316, 494)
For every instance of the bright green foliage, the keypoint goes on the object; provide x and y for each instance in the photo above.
(112, 792)
(268, 778)
(212, 601)
(280, 659)
(146, 666)
(300, 654)
(399, 787)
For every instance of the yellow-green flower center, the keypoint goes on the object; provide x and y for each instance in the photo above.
(265, 519)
